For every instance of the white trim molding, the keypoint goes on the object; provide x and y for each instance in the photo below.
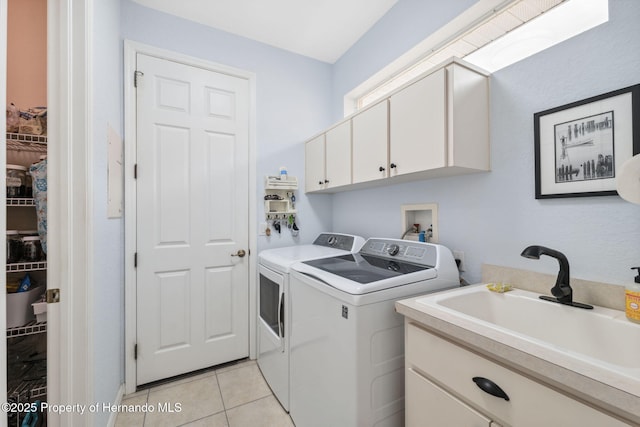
(131, 49)
(69, 352)
(3, 211)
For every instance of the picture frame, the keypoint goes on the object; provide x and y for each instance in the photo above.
(579, 147)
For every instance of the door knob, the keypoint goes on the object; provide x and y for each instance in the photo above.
(241, 253)
(381, 169)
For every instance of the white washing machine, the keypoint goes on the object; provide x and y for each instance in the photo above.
(347, 341)
(274, 303)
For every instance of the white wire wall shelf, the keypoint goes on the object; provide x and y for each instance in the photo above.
(28, 390)
(28, 329)
(21, 202)
(20, 267)
(26, 142)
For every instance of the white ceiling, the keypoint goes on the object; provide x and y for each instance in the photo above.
(320, 29)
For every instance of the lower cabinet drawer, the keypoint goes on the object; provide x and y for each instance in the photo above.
(426, 404)
(529, 403)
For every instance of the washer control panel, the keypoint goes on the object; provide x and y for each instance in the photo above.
(402, 250)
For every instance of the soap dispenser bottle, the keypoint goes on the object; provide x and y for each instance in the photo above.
(632, 298)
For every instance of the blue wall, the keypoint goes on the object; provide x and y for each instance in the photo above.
(493, 216)
(405, 25)
(293, 101)
(108, 235)
(490, 216)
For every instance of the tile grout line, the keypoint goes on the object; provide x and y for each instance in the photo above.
(224, 406)
(144, 415)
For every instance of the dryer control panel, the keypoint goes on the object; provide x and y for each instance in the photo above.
(345, 242)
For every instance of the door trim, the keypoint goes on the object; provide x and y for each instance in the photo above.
(131, 49)
(70, 368)
(3, 194)
(69, 363)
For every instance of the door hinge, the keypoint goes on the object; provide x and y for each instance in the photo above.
(135, 351)
(53, 296)
(137, 74)
(135, 171)
(135, 259)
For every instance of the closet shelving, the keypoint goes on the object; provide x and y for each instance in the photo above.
(30, 328)
(29, 389)
(32, 381)
(21, 267)
(24, 142)
(20, 202)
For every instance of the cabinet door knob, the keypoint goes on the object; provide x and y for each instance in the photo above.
(490, 387)
(381, 169)
(393, 165)
(319, 182)
(326, 181)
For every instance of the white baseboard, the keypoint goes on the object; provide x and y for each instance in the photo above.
(118, 401)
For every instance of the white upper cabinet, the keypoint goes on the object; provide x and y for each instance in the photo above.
(440, 124)
(418, 126)
(338, 155)
(371, 143)
(437, 125)
(328, 159)
(314, 164)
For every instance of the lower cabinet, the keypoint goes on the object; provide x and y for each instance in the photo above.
(449, 385)
(426, 404)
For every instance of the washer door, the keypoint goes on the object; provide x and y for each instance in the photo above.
(272, 304)
(273, 344)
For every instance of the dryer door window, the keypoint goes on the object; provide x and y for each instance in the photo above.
(271, 305)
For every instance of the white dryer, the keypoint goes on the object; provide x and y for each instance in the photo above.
(274, 303)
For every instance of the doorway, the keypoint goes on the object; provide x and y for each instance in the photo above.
(190, 290)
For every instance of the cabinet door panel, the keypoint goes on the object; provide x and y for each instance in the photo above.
(338, 151)
(371, 143)
(428, 405)
(314, 164)
(418, 126)
(468, 110)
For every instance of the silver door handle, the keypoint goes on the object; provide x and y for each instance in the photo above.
(281, 322)
(241, 253)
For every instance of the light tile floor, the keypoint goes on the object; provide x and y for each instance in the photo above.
(231, 396)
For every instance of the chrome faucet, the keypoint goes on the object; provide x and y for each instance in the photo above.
(562, 289)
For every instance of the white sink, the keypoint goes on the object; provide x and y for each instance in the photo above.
(600, 337)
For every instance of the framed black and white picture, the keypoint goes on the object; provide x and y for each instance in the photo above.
(579, 147)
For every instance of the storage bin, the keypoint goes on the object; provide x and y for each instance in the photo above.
(19, 310)
(40, 310)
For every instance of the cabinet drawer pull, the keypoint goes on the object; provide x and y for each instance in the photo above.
(490, 387)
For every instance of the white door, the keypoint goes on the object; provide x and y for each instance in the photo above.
(192, 220)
